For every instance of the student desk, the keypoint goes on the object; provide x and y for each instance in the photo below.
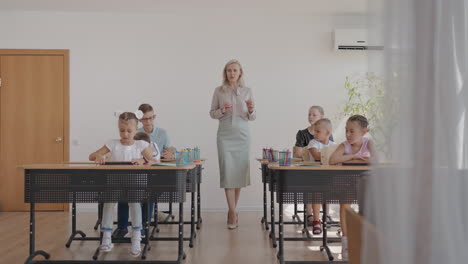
(320, 184)
(267, 178)
(193, 187)
(67, 183)
(198, 223)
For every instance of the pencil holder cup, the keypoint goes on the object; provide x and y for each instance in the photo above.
(272, 155)
(284, 158)
(196, 154)
(189, 155)
(181, 158)
(264, 153)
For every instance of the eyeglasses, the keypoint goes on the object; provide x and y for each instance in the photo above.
(148, 118)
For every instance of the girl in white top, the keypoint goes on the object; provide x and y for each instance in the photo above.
(123, 149)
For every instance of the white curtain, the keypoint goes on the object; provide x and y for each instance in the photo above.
(420, 204)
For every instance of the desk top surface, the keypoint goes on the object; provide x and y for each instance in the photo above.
(319, 168)
(104, 167)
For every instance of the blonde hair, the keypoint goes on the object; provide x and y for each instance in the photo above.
(326, 122)
(319, 108)
(240, 82)
(127, 116)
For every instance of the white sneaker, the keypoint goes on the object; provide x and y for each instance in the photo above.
(162, 217)
(344, 248)
(106, 244)
(136, 245)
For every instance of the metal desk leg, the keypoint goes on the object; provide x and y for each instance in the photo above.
(32, 237)
(192, 219)
(74, 231)
(264, 218)
(32, 234)
(199, 218)
(272, 216)
(324, 241)
(98, 221)
(146, 228)
(156, 220)
(305, 230)
(281, 234)
(181, 254)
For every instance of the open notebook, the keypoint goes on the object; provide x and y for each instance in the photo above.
(166, 164)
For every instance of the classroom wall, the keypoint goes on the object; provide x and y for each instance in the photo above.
(173, 60)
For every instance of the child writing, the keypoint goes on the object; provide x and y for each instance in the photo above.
(356, 147)
(322, 133)
(153, 146)
(156, 158)
(123, 149)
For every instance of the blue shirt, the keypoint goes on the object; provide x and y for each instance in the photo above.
(159, 136)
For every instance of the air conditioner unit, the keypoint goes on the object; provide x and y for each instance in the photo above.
(352, 39)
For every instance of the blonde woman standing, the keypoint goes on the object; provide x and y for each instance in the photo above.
(233, 106)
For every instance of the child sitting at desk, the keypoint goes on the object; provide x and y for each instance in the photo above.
(156, 158)
(153, 146)
(123, 149)
(356, 147)
(322, 132)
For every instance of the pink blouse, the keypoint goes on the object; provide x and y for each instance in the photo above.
(363, 151)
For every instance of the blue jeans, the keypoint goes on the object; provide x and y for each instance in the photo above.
(122, 214)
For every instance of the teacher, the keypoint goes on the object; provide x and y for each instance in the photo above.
(233, 106)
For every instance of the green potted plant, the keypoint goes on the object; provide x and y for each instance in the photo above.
(366, 95)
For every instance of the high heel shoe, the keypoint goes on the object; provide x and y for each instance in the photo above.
(231, 226)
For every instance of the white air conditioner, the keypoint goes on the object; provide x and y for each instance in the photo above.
(352, 39)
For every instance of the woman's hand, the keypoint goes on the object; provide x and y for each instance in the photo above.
(250, 105)
(226, 107)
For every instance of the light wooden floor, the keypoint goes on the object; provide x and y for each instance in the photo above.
(215, 243)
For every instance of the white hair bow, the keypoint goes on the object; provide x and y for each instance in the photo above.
(139, 114)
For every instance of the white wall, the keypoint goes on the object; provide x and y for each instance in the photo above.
(174, 61)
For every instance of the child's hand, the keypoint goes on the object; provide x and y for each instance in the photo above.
(138, 161)
(168, 154)
(250, 105)
(226, 107)
(151, 162)
(356, 157)
(100, 159)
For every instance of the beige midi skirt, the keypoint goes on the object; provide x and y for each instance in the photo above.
(233, 142)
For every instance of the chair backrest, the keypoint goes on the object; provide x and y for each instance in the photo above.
(357, 226)
(305, 154)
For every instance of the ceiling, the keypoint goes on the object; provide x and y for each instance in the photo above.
(315, 7)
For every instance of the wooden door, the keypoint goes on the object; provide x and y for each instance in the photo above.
(34, 126)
